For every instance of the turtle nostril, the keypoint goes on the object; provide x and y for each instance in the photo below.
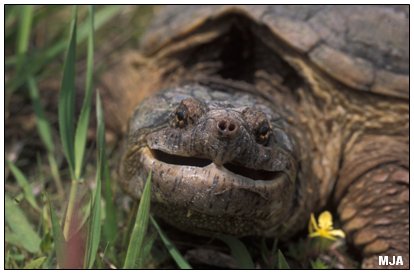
(222, 125)
(227, 127)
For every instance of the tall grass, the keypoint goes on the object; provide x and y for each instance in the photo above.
(73, 141)
(136, 241)
(94, 233)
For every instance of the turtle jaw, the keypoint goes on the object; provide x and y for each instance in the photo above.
(232, 169)
(206, 196)
(203, 171)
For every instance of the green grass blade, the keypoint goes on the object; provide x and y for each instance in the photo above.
(22, 44)
(94, 233)
(110, 228)
(22, 233)
(140, 227)
(58, 237)
(25, 185)
(281, 261)
(23, 36)
(110, 225)
(26, 18)
(67, 97)
(103, 15)
(45, 132)
(10, 14)
(83, 122)
(95, 220)
(54, 170)
(269, 255)
(175, 254)
(149, 240)
(36, 263)
(238, 251)
(43, 126)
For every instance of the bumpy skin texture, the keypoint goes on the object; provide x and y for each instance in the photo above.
(336, 78)
(225, 158)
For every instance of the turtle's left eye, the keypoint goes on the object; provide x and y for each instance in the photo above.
(181, 115)
(188, 112)
(263, 133)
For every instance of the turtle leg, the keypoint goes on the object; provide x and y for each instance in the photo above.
(375, 214)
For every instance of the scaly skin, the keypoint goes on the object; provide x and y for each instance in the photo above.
(221, 162)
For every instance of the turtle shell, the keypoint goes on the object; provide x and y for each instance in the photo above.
(364, 47)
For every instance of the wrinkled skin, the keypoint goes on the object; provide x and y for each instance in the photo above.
(229, 164)
(337, 110)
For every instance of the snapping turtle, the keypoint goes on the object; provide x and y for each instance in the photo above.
(256, 116)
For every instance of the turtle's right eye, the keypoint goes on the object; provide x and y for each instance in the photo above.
(181, 115)
(263, 132)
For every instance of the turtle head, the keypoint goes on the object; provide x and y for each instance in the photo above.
(220, 161)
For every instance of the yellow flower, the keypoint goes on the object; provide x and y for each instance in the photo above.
(324, 227)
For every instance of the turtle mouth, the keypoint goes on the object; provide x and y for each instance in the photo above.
(253, 174)
(197, 187)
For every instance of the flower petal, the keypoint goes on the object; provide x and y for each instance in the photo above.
(328, 236)
(315, 234)
(312, 224)
(337, 233)
(325, 220)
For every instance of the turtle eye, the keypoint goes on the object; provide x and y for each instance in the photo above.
(263, 133)
(181, 115)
